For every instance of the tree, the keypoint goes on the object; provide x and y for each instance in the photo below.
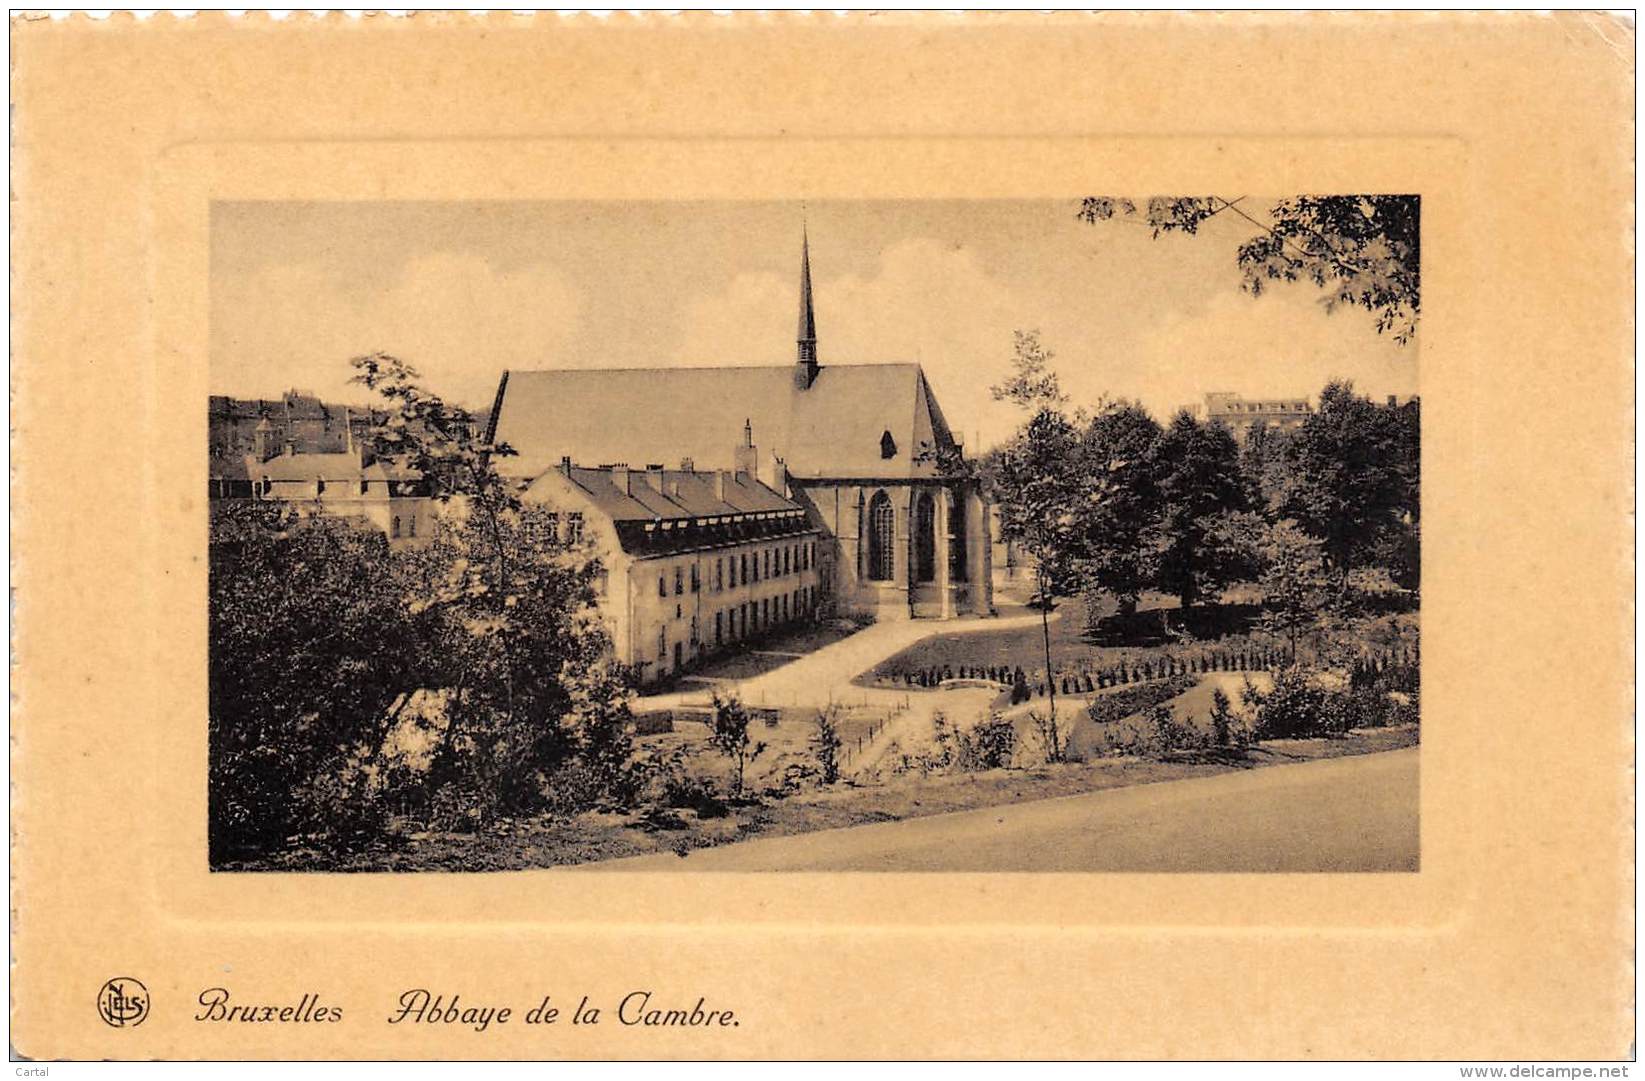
(728, 733)
(536, 712)
(1032, 384)
(1351, 476)
(1199, 550)
(1295, 589)
(1038, 484)
(1114, 527)
(312, 641)
(1263, 465)
(1362, 250)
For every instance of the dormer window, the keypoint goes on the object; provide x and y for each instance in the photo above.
(888, 446)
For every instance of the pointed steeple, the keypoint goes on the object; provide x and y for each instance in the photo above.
(805, 371)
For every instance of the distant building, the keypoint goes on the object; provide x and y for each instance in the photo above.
(1239, 415)
(296, 418)
(695, 561)
(310, 453)
(346, 482)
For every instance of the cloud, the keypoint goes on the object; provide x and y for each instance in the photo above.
(938, 305)
(456, 317)
(1281, 343)
(924, 302)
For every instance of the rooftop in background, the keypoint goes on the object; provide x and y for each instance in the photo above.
(1225, 403)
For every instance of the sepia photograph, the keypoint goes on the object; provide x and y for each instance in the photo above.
(708, 537)
(1052, 535)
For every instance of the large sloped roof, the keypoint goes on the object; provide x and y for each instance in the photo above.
(639, 416)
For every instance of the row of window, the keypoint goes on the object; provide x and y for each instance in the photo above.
(731, 571)
(265, 486)
(880, 527)
(739, 622)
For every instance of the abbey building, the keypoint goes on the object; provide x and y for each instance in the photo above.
(854, 466)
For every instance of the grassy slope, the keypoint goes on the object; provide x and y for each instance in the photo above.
(1070, 651)
(547, 842)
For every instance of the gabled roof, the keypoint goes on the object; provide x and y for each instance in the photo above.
(831, 429)
(671, 494)
(656, 512)
(329, 467)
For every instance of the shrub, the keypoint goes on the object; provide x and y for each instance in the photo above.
(825, 746)
(693, 793)
(1297, 707)
(991, 744)
(1221, 717)
(728, 734)
(1167, 734)
(1107, 708)
(1051, 739)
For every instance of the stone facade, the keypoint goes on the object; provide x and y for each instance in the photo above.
(1239, 415)
(696, 562)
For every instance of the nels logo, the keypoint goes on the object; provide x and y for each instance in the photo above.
(123, 1002)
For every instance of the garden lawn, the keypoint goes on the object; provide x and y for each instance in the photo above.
(1072, 652)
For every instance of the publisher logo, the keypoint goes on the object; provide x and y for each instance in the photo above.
(123, 1002)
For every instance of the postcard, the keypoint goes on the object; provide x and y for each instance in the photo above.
(776, 536)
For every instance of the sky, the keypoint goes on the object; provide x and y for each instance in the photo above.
(466, 290)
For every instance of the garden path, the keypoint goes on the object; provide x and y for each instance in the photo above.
(825, 676)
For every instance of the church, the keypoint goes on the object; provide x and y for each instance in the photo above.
(894, 512)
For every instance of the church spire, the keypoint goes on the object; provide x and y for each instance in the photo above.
(805, 371)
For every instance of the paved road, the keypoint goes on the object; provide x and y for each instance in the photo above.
(1343, 814)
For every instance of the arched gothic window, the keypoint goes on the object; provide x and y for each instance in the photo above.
(925, 538)
(882, 537)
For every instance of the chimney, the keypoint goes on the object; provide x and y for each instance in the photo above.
(779, 476)
(565, 464)
(263, 440)
(622, 478)
(746, 458)
(720, 476)
(687, 466)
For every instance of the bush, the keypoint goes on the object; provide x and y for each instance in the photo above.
(728, 734)
(1297, 707)
(991, 744)
(1052, 740)
(1107, 708)
(825, 746)
(693, 793)
(1222, 717)
(1167, 734)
